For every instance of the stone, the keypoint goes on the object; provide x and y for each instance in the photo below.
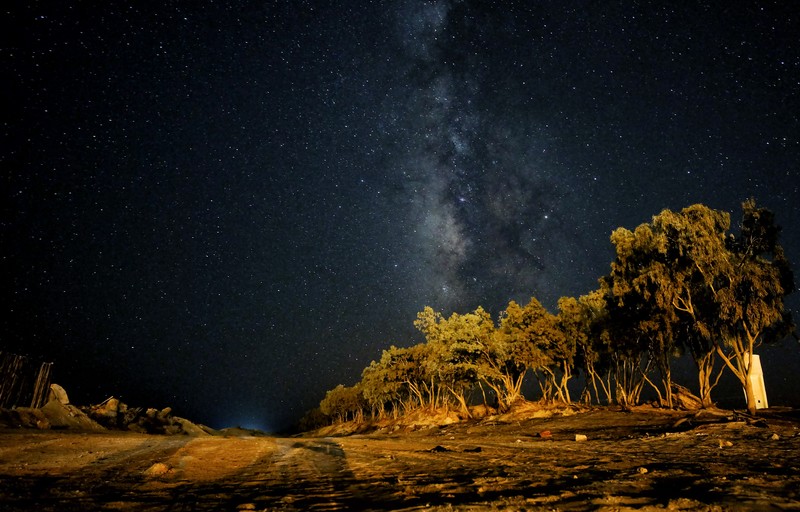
(684, 399)
(64, 416)
(58, 394)
(580, 438)
(108, 409)
(158, 469)
(438, 449)
(106, 413)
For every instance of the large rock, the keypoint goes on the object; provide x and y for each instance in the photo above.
(685, 399)
(23, 417)
(62, 416)
(58, 394)
(107, 413)
(181, 426)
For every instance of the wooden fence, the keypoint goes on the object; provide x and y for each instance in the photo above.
(23, 383)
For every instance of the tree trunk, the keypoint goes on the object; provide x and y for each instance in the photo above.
(462, 402)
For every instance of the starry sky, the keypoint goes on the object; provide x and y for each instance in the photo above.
(230, 207)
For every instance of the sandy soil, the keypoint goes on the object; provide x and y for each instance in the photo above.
(647, 459)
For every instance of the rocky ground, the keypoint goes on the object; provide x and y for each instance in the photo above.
(598, 459)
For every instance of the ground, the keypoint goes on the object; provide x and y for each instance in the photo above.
(645, 459)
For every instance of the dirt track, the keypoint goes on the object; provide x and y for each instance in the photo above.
(635, 460)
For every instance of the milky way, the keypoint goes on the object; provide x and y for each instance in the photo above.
(484, 201)
(230, 209)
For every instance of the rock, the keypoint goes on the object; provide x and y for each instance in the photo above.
(775, 437)
(135, 427)
(482, 411)
(438, 449)
(23, 417)
(108, 409)
(477, 449)
(184, 427)
(545, 434)
(62, 416)
(685, 399)
(158, 469)
(642, 470)
(580, 438)
(106, 413)
(58, 393)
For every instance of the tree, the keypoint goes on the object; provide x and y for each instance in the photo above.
(343, 403)
(633, 322)
(456, 345)
(540, 346)
(697, 258)
(582, 320)
(751, 308)
(664, 284)
(508, 355)
(382, 383)
(400, 380)
(683, 275)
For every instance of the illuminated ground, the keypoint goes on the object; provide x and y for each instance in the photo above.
(647, 459)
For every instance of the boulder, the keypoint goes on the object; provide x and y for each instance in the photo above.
(685, 399)
(63, 416)
(23, 417)
(58, 394)
(106, 412)
(185, 427)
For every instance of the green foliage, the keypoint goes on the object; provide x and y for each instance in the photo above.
(343, 403)
(455, 345)
(680, 283)
(683, 281)
(750, 305)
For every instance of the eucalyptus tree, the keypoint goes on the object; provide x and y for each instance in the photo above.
(343, 403)
(539, 345)
(697, 261)
(683, 281)
(392, 382)
(582, 320)
(751, 304)
(511, 351)
(455, 344)
(634, 322)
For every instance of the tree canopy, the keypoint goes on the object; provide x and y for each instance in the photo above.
(682, 283)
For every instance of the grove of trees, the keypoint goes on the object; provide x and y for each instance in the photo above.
(681, 284)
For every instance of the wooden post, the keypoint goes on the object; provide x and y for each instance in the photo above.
(42, 386)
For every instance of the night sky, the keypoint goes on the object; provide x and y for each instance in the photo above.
(230, 209)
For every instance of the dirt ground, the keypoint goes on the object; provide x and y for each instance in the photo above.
(647, 459)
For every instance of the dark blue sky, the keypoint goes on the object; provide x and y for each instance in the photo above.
(230, 209)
